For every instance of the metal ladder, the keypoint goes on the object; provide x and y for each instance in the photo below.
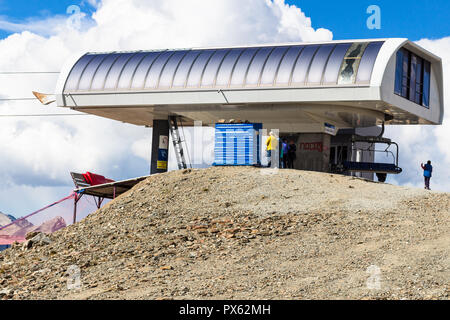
(177, 142)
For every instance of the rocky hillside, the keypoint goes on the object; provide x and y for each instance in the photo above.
(245, 233)
(5, 219)
(22, 227)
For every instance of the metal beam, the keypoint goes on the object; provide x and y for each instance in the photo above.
(160, 146)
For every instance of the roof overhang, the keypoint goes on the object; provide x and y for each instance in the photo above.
(110, 190)
(290, 108)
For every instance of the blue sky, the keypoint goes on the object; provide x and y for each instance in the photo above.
(413, 19)
(20, 11)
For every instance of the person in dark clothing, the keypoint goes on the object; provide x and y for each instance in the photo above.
(284, 153)
(427, 170)
(291, 154)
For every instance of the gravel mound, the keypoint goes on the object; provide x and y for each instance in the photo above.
(245, 233)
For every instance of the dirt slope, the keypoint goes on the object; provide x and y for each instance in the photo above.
(244, 233)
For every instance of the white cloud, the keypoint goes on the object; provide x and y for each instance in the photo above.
(33, 25)
(38, 153)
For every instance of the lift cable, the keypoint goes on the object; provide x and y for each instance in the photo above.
(18, 99)
(29, 72)
(43, 115)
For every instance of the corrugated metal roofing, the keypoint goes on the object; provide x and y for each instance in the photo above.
(299, 65)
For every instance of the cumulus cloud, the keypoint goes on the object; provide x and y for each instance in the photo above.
(421, 143)
(37, 26)
(37, 153)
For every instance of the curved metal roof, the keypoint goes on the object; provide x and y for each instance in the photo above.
(295, 87)
(302, 65)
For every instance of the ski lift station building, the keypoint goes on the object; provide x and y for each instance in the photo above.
(319, 94)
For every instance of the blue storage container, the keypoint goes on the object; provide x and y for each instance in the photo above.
(237, 144)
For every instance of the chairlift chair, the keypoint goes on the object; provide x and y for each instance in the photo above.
(380, 169)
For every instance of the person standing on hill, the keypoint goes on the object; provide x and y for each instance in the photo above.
(284, 153)
(292, 150)
(271, 145)
(427, 170)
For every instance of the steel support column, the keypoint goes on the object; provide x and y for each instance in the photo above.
(76, 198)
(160, 146)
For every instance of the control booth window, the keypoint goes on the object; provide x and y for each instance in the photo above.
(412, 77)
